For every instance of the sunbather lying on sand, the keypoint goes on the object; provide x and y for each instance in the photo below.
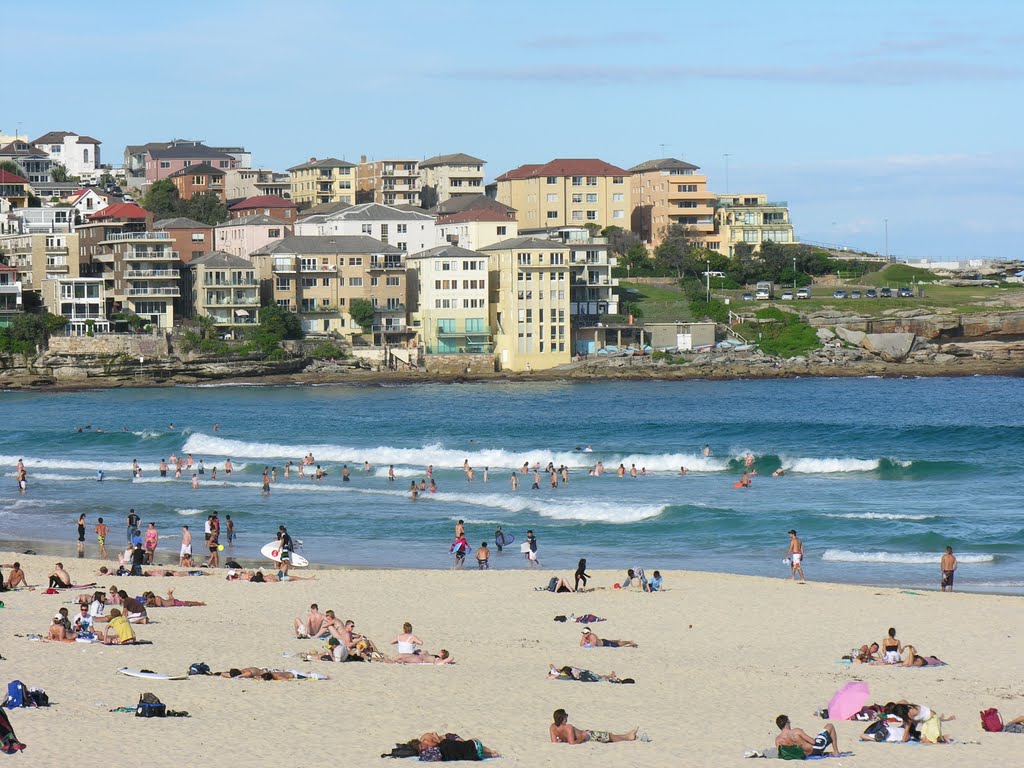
(261, 577)
(583, 675)
(562, 732)
(432, 747)
(262, 673)
(590, 640)
(155, 601)
(423, 657)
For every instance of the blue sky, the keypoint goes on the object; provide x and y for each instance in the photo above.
(852, 112)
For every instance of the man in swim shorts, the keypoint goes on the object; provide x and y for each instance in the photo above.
(795, 554)
(794, 740)
(948, 565)
(562, 732)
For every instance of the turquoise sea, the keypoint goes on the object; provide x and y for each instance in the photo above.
(881, 474)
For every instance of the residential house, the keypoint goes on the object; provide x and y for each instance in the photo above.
(320, 276)
(446, 176)
(667, 192)
(14, 189)
(752, 219)
(391, 182)
(408, 230)
(163, 159)
(323, 181)
(267, 205)
(35, 164)
(244, 236)
(82, 300)
(530, 303)
(90, 200)
(449, 300)
(226, 289)
(190, 239)
(199, 179)
(567, 192)
(41, 243)
(80, 155)
(474, 227)
(241, 183)
(10, 294)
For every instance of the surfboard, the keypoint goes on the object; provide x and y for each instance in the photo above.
(505, 540)
(150, 675)
(272, 551)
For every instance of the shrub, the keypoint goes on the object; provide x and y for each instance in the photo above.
(326, 350)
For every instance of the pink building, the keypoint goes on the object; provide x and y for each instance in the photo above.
(162, 162)
(241, 237)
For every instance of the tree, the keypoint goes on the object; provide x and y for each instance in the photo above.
(676, 251)
(361, 312)
(620, 240)
(59, 172)
(279, 322)
(12, 167)
(30, 332)
(163, 200)
(206, 207)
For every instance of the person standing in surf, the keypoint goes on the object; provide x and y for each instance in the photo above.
(948, 566)
(531, 554)
(795, 555)
(81, 535)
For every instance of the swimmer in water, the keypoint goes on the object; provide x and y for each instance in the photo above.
(778, 472)
(707, 449)
(683, 471)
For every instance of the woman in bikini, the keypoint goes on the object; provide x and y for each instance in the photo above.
(155, 601)
(892, 648)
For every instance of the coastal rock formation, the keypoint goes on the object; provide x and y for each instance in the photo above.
(924, 324)
(891, 347)
(849, 335)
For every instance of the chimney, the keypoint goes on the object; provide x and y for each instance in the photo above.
(362, 158)
(312, 159)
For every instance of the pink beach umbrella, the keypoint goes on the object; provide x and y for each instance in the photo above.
(848, 701)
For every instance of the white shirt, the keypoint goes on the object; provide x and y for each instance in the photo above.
(96, 609)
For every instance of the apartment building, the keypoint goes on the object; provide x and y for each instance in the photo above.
(449, 300)
(190, 239)
(391, 182)
(35, 164)
(530, 303)
(199, 179)
(323, 181)
(475, 227)
(160, 160)
(82, 300)
(320, 276)
(446, 176)
(80, 155)
(567, 192)
(11, 301)
(752, 219)
(409, 231)
(591, 261)
(267, 205)
(40, 244)
(14, 189)
(669, 191)
(244, 236)
(241, 183)
(225, 288)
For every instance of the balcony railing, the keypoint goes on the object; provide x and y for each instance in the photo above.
(229, 283)
(161, 255)
(10, 287)
(164, 273)
(227, 301)
(154, 291)
(138, 236)
(387, 264)
(486, 331)
(399, 328)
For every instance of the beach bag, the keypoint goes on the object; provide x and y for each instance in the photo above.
(553, 584)
(150, 706)
(878, 730)
(39, 697)
(991, 720)
(401, 751)
(18, 695)
(199, 668)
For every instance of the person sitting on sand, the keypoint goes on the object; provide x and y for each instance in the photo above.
(83, 621)
(557, 584)
(311, 625)
(865, 654)
(590, 640)
(921, 720)
(794, 743)
(155, 601)
(562, 732)
(344, 642)
(59, 633)
(654, 585)
(891, 648)
(15, 576)
(423, 657)
(434, 748)
(59, 579)
(134, 610)
(407, 641)
(119, 631)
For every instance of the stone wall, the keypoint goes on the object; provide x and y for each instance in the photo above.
(103, 345)
(459, 365)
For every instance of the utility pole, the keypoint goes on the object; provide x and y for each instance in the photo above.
(886, 238)
(726, 156)
(794, 274)
(707, 275)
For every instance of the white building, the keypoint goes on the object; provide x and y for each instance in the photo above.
(447, 176)
(408, 231)
(80, 155)
(82, 300)
(449, 300)
(244, 236)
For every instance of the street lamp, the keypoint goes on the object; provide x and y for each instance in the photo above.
(707, 275)
(794, 273)
(886, 239)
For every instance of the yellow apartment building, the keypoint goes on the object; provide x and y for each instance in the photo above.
(225, 289)
(753, 219)
(449, 298)
(529, 307)
(667, 192)
(446, 176)
(567, 192)
(391, 182)
(323, 181)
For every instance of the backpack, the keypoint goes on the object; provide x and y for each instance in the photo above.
(553, 584)
(18, 695)
(199, 668)
(150, 706)
(39, 697)
(991, 720)
(400, 751)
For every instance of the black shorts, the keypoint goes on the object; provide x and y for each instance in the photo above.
(821, 742)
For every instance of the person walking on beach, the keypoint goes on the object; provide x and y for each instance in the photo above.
(795, 555)
(101, 536)
(531, 551)
(562, 732)
(186, 545)
(948, 566)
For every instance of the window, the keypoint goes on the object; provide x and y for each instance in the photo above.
(374, 282)
(165, 164)
(577, 181)
(577, 197)
(552, 179)
(355, 282)
(577, 215)
(401, 229)
(307, 265)
(326, 282)
(524, 259)
(225, 163)
(552, 214)
(283, 284)
(552, 197)
(591, 181)
(558, 258)
(367, 229)
(383, 233)
(618, 214)
(198, 237)
(617, 197)
(393, 281)
(355, 261)
(273, 233)
(187, 163)
(284, 303)
(686, 187)
(591, 197)
(394, 303)
(591, 215)
(402, 246)
(616, 180)
(502, 230)
(309, 282)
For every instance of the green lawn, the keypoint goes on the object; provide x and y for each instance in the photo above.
(660, 304)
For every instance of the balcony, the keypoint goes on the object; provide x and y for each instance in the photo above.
(156, 290)
(160, 255)
(393, 328)
(228, 301)
(56, 266)
(387, 263)
(122, 236)
(10, 287)
(167, 274)
(317, 310)
(243, 281)
(484, 331)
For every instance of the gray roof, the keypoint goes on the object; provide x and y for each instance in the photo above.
(327, 162)
(466, 202)
(252, 219)
(323, 208)
(458, 158)
(199, 168)
(528, 243)
(221, 260)
(377, 212)
(187, 150)
(664, 164)
(447, 251)
(180, 222)
(327, 244)
(53, 137)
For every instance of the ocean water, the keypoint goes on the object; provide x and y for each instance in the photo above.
(881, 474)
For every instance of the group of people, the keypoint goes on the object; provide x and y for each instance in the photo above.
(890, 651)
(345, 644)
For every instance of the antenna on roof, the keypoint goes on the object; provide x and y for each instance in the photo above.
(663, 149)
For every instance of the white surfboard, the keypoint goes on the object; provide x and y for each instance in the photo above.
(150, 675)
(273, 551)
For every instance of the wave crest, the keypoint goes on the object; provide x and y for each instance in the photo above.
(908, 558)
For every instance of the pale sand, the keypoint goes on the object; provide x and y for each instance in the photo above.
(757, 648)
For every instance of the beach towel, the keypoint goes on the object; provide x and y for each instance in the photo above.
(588, 618)
(9, 743)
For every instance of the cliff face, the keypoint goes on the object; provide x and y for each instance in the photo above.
(929, 326)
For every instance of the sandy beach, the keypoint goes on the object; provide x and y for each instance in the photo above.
(719, 657)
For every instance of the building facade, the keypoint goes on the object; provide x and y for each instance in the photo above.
(190, 239)
(252, 182)
(35, 164)
(41, 244)
(390, 182)
(82, 300)
(450, 301)
(323, 181)
(243, 237)
(530, 301)
(474, 228)
(567, 192)
(409, 231)
(14, 189)
(163, 159)
(80, 155)
(752, 219)
(11, 301)
(446, 176)
(266, 205)
(667, 192)
(225, 288)
(199, 179)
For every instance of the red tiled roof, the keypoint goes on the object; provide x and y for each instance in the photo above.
(565, 167)
(6, 177)
(5, 268)
(263, 201)
(483, 213)
(120, 211)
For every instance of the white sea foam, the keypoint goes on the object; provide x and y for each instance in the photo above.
(829, 466)
(881, 516)
(401, 471)
(567, 509)
(190, 511)
(908, 558)
(472, 521)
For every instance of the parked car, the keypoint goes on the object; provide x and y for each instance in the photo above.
(904, 292)
(871, 293)
(838, 294)
(803, 293)
(748, 297)
(854, 294)
(885, 293)
(787, 295)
